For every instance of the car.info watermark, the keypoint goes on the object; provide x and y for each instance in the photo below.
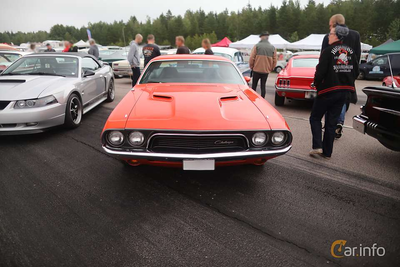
(340, 250)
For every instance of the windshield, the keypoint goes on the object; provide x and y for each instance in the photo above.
(305, 63)
(44, 65)
(192, 71)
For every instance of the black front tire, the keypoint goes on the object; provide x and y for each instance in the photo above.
(389, 146)
(111, 91)
(279, 100)
(278, 69)
(73, 112)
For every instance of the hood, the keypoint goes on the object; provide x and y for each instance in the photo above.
(195, 107)
(25, 87)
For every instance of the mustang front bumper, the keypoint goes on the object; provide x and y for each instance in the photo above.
(30, 120)
(227, 156)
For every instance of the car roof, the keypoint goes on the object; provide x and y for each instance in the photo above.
(76, 54)
(190, 57)
(225, 50)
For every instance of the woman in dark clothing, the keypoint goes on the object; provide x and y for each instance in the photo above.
(206, 44)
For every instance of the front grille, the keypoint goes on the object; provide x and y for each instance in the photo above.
(197, 144)
(4, 104)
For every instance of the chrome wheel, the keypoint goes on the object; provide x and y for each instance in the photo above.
(75, 110)
(111, 91)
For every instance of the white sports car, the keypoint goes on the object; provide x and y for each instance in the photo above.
(39, 91)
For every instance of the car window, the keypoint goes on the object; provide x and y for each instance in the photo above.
(395, 61)
(89, 64)
(192, 71)
(44, 65)
(380, 61)
(304, 62)
(6, 57)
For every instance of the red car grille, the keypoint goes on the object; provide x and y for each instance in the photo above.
(197, 144)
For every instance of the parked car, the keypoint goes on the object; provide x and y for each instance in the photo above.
(39, 91)
(196, 112)
(7, 57)
(111, 56)
(380, 117)
(122, 68)
(281, 64)
(295, 81)
(388, 81)
(231, 54)
(378, 68)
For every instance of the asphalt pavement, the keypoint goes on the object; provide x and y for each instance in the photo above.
(64, 202)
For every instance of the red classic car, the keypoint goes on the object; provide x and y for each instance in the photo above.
(195, 111)
(388, 81)
(295, 81)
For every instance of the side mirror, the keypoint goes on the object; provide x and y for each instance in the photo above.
(88, 73)
(247, 79)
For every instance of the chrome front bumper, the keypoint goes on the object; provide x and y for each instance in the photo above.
(217, 156)
(359, 124)
(33, 120)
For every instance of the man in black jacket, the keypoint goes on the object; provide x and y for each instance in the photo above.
(334, 79)
(353, 41)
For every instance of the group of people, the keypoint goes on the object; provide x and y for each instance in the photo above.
(151, 50)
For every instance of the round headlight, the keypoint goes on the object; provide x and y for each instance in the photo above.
(115, 138)
(259, 139)
(278, 138)
(136, 138)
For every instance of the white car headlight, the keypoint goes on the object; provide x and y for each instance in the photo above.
(278, 138)
(136, 138)
(115, 138)
(36, 103)
(259, 139)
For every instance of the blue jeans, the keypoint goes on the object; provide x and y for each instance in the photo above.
(342, 115)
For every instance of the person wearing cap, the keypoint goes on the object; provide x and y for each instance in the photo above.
(93, 50)
(334, 79)
(262, 61)
(49, 48)
(353, 41)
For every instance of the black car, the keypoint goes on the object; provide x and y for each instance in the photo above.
(379, 67)
(380, 117)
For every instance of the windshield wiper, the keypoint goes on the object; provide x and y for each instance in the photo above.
(154, 82)
(4, 74)
(45, 73)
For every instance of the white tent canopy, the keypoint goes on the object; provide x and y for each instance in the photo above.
(314, 42)
(82, 44)
(251, 40)
(311, 42)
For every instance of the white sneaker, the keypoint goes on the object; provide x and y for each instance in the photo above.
(317, 151)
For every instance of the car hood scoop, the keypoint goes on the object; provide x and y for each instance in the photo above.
(12, 81)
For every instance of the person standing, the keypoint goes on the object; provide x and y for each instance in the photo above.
(262, 61)
(69, 47)
(32, 48)
(49, 48)
(353, 41)
(94, 49)
(151, 50)
(180, 44)
(134, 58)
(206, 44)
(334, 79)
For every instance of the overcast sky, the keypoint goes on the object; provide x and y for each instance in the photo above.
(29, 15)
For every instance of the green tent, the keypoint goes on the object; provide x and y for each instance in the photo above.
(386, 48)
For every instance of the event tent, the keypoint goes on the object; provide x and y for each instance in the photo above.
(248, 42)
(386, 48)
(311, 42)
(314, 42)
(82, 44)
(223, 43)
(7, 47)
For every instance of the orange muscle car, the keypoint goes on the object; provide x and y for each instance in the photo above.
(195, 111)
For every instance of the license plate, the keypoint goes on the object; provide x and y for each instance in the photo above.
(199, 165)
(310, 95)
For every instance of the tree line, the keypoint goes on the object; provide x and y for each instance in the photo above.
(376, 20)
